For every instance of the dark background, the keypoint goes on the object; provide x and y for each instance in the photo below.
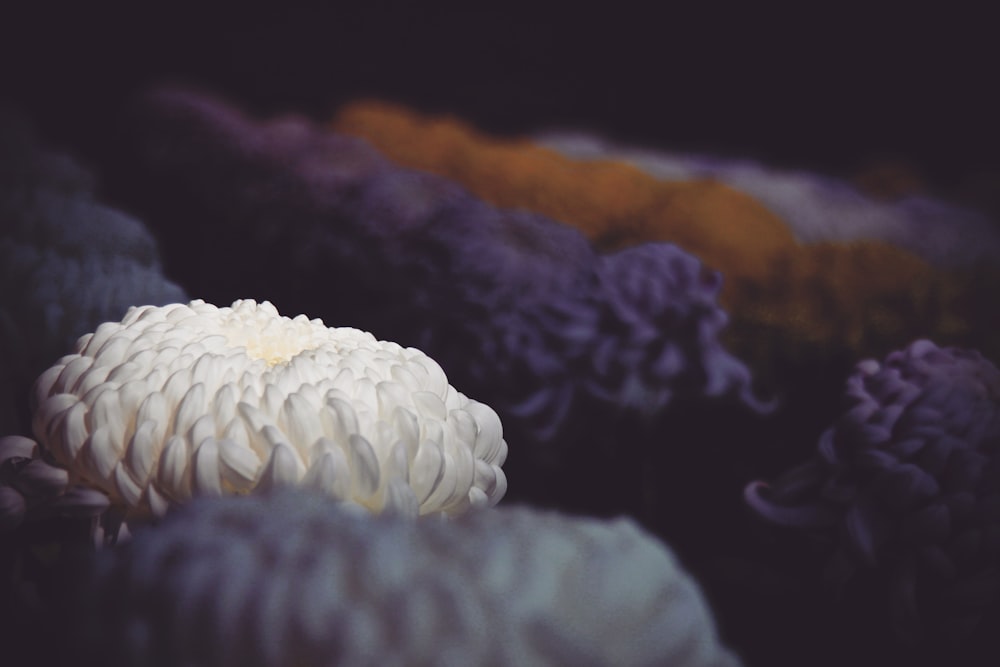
(823, 87)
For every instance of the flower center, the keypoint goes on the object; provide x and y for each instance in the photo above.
(274, 349)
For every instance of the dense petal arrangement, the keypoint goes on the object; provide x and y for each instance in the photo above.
(186, 400)
(907, 483)
(291, 578)
(513, 305)
(67, 263)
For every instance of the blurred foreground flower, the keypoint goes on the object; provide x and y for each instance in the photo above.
(186, 400)
(906, 484)
(292, 578)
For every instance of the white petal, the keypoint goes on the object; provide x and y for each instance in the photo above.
(489, 441)
(173, 475)
(454, 399)
(106, 413)
(445, 487)
(390, 396)
(465, 472)
(339, 420)
(178, 384)
(396, 465)
(224, 403)
(436, 381)
(344, 381)
(430, 405)
(426, 470)
(102, 452)
(499, 486)
(191, 407)
(122, 372)
(465, 426)
(72, 432)
(158, 503)
(92, 378)
(236, 430)
(205, 479)
(154, 409)
(485, 476)
(201, 430)
(477, 499)
(400, 500)
(238, 464)
(46, 384)
(330, 472)
(130, 396)
(273, 400)
(127, 487)
(365, 393)
(404, 376)
(112, 352)
(47, 420)
(282, 468)
(143, 451)
(301, 422)
(364, 467)
(72, 372)
(407, 431)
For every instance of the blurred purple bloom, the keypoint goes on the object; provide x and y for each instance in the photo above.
(296, 578)
(907, 483)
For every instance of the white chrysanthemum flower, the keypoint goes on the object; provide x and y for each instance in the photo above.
(185, 400)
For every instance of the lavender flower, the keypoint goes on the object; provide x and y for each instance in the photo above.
(907, 484)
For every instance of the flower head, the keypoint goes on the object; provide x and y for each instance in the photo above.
(907, 482)
(291, 578)
(185, 400)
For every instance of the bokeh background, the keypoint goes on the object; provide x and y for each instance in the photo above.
(833, 89)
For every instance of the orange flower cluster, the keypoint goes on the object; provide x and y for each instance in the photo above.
(785, 298)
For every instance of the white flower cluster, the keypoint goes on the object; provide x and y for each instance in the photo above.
(289, 579)
(186, 400)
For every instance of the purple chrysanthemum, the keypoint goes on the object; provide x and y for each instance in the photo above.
(907, 483)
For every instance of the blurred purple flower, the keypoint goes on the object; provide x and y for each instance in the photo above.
(907, 484)
(296, 578)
